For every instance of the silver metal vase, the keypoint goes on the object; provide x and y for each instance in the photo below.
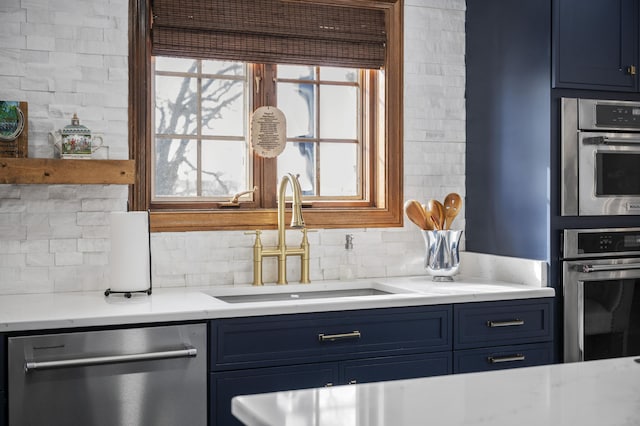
(442, 257)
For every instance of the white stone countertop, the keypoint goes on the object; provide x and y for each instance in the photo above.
(86, 309)
(589, 393)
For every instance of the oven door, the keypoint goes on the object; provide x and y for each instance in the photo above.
(601, 308)
(608, 174)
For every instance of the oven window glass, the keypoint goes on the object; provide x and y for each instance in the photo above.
(617, 173)
(611, 318)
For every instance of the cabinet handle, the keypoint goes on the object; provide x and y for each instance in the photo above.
(508, 358)
(328, 385)
(353, 382)
(512, 323)
(333, 337)
(631, 70)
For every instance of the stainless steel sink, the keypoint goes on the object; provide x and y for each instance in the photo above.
(302, 295)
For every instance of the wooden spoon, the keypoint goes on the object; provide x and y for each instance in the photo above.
(416, 213)
(435, 211)
(431, 222)
(452, 205)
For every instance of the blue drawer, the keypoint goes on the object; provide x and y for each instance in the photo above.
(396, 367)
(502, 357)
(292, 339)
(502, 323)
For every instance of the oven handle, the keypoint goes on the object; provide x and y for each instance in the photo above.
(605, 140)
(597, 268)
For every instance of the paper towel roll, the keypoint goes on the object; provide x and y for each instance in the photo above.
(129, 259)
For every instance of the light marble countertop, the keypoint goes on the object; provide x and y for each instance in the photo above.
(85, 309)
(589, 393)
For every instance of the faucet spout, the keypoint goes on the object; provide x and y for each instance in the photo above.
(297, 220)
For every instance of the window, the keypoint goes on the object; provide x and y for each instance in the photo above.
(190, 121)
(325, 108)
(199, 145)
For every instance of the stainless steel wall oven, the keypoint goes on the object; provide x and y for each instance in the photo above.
(601, 285)
(600, 157)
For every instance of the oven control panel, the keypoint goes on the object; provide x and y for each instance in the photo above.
(601, 242)
(618, 115)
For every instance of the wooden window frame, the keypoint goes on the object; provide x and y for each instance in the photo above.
(386, 162)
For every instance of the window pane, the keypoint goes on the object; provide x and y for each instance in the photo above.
(338, 112)
(164, 63)
(349, 75)
(175, 175)
(299, 159)
(176, 105)
(223, 68)
(297, 101)
(296, 72)
(224, 166)
(223, 110)
(338, 169)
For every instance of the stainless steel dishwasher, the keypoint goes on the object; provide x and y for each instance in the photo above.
(155, 376)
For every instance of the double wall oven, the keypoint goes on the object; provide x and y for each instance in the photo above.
(600, 177)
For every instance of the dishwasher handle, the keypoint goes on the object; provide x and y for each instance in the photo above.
(187, 352)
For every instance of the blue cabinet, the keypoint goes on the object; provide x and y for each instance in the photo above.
(285, 352)
(596, 44)
(505, 334)
(225, 385)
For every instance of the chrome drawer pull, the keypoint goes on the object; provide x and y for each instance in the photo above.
(111, 359)
(333, 337)
(512, 323)
(508, 358)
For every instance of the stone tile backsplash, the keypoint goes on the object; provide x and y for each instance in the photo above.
(66, 57)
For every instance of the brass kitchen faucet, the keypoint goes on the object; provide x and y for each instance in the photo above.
(281, 251)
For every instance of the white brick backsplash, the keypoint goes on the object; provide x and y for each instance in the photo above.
(11, 210)
(71, 56)
(9, 246)
(34, 246)
(93, 218)
(10, 5)
(94, 245)
(13, 260)
(40, 259)
(96, 232)
(96, 259)
(68, 259)
(13, 232)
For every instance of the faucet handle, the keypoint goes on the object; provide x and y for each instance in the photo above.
(257, 233)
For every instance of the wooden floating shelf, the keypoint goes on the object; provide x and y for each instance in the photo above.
(54, 171)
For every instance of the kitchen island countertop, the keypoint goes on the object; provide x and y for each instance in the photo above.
(605, 392)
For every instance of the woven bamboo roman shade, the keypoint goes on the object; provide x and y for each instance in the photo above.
(270, 31)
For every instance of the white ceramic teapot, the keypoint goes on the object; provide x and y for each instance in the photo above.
(75, 140)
